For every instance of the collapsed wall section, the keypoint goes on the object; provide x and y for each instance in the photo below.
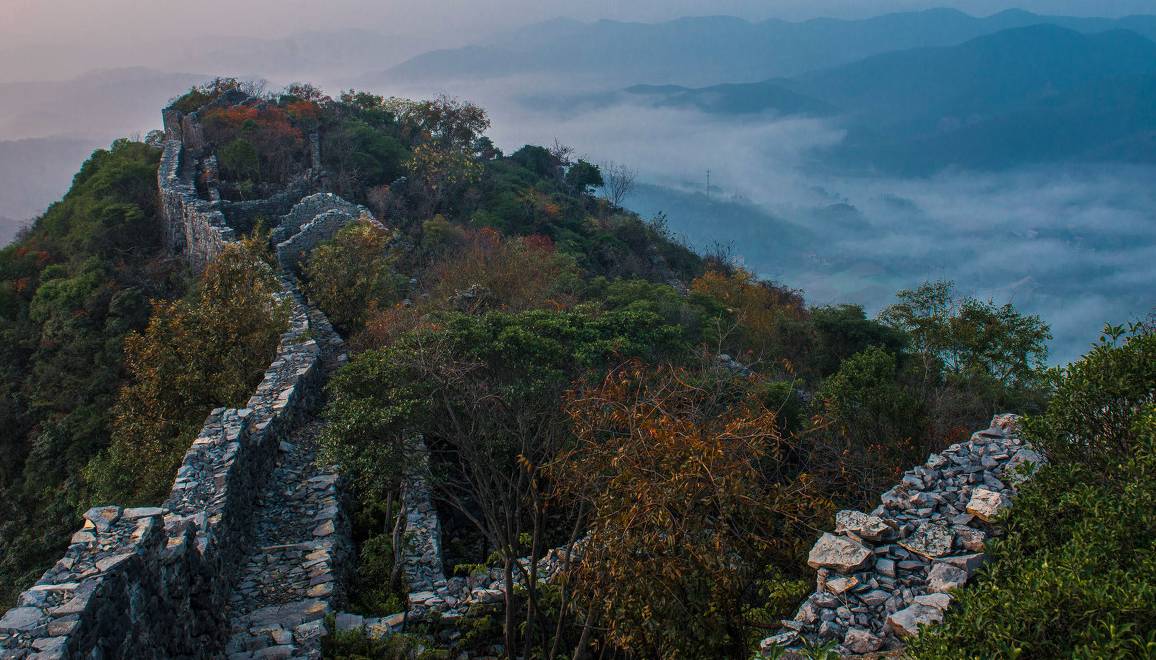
(883, 575)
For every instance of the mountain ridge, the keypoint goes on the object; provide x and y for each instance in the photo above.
(926, 108)
(741, 50)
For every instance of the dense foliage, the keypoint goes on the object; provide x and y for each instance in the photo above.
(1073, 577)
(196, 354)
(71, 288)
(690, 496)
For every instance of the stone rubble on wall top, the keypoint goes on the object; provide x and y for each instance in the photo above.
(838, 552)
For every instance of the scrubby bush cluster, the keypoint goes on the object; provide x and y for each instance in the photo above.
(1074, 576)
(201, 352)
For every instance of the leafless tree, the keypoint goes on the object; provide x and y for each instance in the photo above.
(618, 181)
(562, 153)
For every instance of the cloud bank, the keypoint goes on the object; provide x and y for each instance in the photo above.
(1075, 244)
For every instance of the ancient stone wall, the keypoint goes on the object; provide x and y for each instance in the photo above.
(193, 227)
(156, 582)
(244, 216)
(883, 575)
(312, 221)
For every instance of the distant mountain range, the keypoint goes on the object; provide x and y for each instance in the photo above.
(1035, 94)
(710, 50)
(341, 53)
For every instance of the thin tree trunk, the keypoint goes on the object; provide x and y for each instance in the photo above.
(508, 576)
(580, 649)
(532, 586)
(565, 596)
(396, 540)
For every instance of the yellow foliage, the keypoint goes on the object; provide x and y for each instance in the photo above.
(681, 471)
(768, 319)
(194, 355)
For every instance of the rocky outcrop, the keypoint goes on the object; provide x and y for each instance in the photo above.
(884, 574)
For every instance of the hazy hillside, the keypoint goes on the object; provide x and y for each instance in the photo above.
(311, 53)
(107, 103)
(982, 77)
(33, 174)
(1035, 94)
(716, 49)
(732, 98)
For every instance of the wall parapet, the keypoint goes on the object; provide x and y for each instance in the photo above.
(155, 582)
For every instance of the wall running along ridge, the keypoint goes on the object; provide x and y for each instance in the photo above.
(193, 227)
(880, 576)
(155, 582)
(883, 575)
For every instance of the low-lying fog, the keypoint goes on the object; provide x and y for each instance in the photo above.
(1075, 244)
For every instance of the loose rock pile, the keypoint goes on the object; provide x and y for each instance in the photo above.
(883, 575)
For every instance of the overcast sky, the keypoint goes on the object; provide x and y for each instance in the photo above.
(111, 19)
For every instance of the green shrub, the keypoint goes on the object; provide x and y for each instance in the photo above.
(372, 592)
(352, 275)
(1075, 575)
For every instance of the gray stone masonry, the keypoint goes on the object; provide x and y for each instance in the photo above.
(247, 554)
(884, 574)
(430, 592)
(313, 220)
(193, 227)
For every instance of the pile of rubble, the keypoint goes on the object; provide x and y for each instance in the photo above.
(883, 575)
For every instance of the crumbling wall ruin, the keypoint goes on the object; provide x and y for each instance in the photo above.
(884, 574)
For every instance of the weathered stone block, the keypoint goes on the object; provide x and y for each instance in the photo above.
(987, 504)
(906, 622)
(839, 553)
(931, 539)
